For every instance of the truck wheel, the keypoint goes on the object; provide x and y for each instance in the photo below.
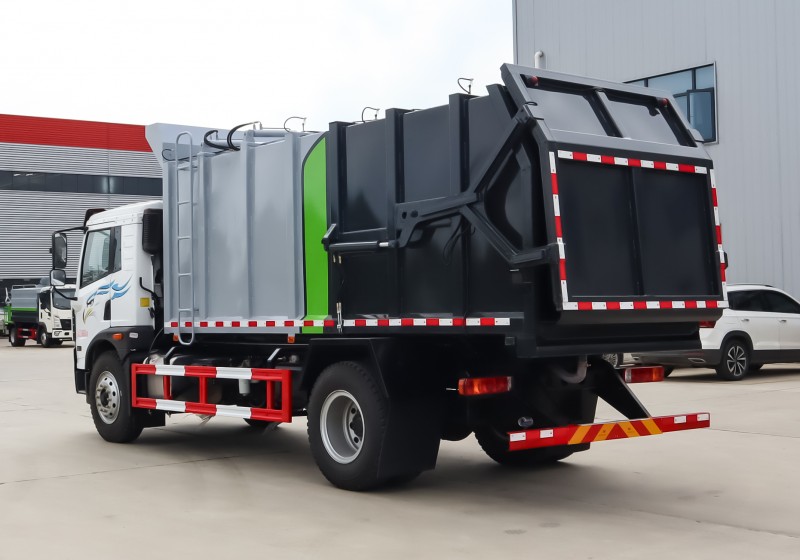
(14, 339)
(735, 361)
(347, 416)
(495, 444)
(44, 338)
(668, 370)
(113, 416)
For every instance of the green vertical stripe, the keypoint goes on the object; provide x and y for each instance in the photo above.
(315, 223)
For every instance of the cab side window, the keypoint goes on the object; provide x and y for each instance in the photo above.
(102, 256)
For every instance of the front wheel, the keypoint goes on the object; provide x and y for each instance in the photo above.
(347, 417)
(114, 417)
(14, 339)
(735, 361)
(44, 338)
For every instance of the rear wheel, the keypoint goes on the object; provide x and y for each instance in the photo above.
(347, 418)
(114, 417)
(668, 370)
(756, 367)
(495, 444)
(14, 339)
(735, 360)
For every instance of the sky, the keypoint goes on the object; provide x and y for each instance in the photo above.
(222, 63)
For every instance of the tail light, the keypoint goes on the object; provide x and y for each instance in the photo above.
(707, 324)
(474, 386)
(646, 374)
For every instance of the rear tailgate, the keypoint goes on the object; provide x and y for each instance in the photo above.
(634, 207)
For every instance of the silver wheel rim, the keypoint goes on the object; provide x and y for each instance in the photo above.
(341, 425)
(106, 397)
(43, 337)
(736, 360)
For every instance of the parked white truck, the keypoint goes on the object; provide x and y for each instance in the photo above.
(40, 313)
(426, 276)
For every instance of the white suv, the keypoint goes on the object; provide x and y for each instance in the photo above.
(761, 326)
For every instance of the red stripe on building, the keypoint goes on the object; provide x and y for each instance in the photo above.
(15, 129)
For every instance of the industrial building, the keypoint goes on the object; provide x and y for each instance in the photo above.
(51, 172)
(732, 66)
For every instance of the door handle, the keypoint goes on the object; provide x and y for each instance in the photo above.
(745, 320)
(782, 320)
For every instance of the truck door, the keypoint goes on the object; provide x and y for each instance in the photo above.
(45, 310)
(98, 284)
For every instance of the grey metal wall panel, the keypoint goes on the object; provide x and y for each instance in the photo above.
(247, 240)
(28, 218)
(88, 161)
(754, 45)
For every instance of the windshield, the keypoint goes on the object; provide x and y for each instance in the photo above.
(60, 301)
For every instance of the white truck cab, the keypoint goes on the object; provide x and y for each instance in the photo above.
(113, 306)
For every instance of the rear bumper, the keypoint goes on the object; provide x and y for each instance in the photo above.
(589, 433)
(681, 358)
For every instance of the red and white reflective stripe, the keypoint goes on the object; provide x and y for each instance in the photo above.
(270, 324)
(638, 305)
(562, 262)
(632, 162)
(330, 323)
(203, 373)
(568, 305)
(718, 230)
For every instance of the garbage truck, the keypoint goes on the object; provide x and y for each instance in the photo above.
(38, 312)
(421, 277)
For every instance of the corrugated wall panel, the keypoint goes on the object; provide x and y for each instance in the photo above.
(754, 46)
(28, 218)
(88, 161)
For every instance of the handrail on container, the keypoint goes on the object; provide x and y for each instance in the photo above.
(189, 237)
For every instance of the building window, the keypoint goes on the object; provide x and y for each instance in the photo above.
(694, 91)
(73, 183)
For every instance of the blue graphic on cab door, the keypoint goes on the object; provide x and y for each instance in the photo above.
(114, 288)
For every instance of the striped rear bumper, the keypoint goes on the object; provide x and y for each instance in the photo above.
(589, 433)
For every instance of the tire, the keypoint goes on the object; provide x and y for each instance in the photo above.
(110, 401)
(668, 371)
(44, 338)
(735, 360)
(57, 342)
(495, 444)
(613, 359)
(14, 339)
(347, 416)
(756, 367)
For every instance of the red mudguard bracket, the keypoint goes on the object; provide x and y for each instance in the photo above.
(589, 433)
(270, 413)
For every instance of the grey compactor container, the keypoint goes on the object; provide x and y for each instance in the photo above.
(564, 215)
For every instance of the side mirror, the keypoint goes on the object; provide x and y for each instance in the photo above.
(58, 277)
(59, 251)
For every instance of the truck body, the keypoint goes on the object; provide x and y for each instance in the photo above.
(425, 276)
(38, 312)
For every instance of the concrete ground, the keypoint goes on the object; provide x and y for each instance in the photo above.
(216, 490)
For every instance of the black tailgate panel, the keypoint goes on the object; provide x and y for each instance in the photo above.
(604, 207)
